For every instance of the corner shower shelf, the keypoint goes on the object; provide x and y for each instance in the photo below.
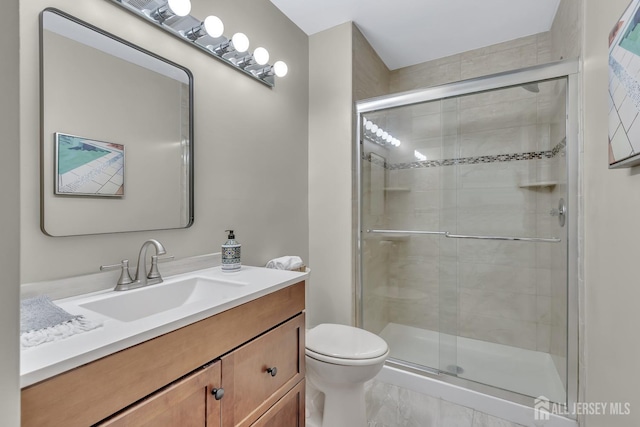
(538, 184)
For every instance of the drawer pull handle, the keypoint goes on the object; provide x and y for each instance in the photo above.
(272, 371)
(217, 393)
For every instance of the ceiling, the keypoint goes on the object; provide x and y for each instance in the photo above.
(408, 32)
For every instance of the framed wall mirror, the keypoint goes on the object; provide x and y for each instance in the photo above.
(117, 133)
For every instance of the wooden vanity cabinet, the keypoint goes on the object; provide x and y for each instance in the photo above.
(186, 403)
(261, 372)
(168, 381)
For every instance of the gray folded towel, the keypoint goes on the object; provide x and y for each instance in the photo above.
(42, 321)
(39, 313)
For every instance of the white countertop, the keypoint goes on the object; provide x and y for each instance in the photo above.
(49, 359)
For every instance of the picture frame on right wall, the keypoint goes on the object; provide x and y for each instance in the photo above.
(624, 89)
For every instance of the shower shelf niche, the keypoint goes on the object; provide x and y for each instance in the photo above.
(538, 184)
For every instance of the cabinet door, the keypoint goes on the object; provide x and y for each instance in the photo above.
(261, 372)
(186, 403)
(287, 412)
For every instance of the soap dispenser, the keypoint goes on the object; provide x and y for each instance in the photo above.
(231, 253)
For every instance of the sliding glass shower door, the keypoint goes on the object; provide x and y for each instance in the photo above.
(463, 243)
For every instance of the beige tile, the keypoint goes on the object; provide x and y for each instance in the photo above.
(418, 410)
(543, 338)
(499, 49)
(499, 96)
(505, 140)
(507, 175)
(497, 223)
(432, 73)
(498, 116)
(427, 126)
(543, 305)
(501, 331)
(497, 199)
(503, 305)
(452, 415)
(498, 278)
(481, 419)
(507, 253)
(543, 41)
(475, 64)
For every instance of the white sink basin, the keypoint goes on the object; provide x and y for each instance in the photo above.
(128, 306)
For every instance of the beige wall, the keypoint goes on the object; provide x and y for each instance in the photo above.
(9, 217)
(370, 74)
(250, 143)
(611, 205)
(330, 296)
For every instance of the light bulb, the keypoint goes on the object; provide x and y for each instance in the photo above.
(280, 69)
(261, 55)
(374, 128)
(385, 135)
(179, 7)
(213, 26)
(368, 125)
(389, 138)
(379, 133)
(240, 42)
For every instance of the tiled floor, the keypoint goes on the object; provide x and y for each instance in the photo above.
(392, 406)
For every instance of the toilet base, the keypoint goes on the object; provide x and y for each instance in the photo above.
(344, 407)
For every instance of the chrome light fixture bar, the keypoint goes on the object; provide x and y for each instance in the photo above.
(174, 17)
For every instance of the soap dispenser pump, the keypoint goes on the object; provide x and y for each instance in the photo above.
(231, 253)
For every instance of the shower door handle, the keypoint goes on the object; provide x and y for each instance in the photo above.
(467, 236)
(441, 233)
(509, 238)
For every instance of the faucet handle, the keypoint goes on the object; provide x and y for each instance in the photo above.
(153, 272)
(125, 277)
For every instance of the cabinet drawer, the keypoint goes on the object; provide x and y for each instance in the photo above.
(287, 412)
(258, 374)
(185, 403)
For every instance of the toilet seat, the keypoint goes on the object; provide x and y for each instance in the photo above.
(345, 345)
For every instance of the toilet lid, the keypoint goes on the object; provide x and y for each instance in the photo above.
(345, 342)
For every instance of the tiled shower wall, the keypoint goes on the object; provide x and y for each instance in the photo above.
(511, 293)
(369, 80)
(493, 291)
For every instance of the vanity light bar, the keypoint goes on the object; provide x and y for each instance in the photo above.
(173, 16)
(375, 133)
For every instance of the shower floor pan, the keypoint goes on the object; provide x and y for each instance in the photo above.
(527, 372)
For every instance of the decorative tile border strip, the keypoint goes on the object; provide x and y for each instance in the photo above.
(534, 155)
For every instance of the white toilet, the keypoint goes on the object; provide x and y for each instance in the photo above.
(340, 359)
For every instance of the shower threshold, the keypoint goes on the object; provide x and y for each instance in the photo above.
(527, 372)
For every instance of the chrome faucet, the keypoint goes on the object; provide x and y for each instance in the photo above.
(141, 273)
(142, 278)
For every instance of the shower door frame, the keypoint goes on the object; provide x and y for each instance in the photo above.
(568, 69)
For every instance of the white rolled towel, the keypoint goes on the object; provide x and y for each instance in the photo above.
(285, 263)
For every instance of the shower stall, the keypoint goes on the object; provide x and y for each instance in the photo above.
(467, 231)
